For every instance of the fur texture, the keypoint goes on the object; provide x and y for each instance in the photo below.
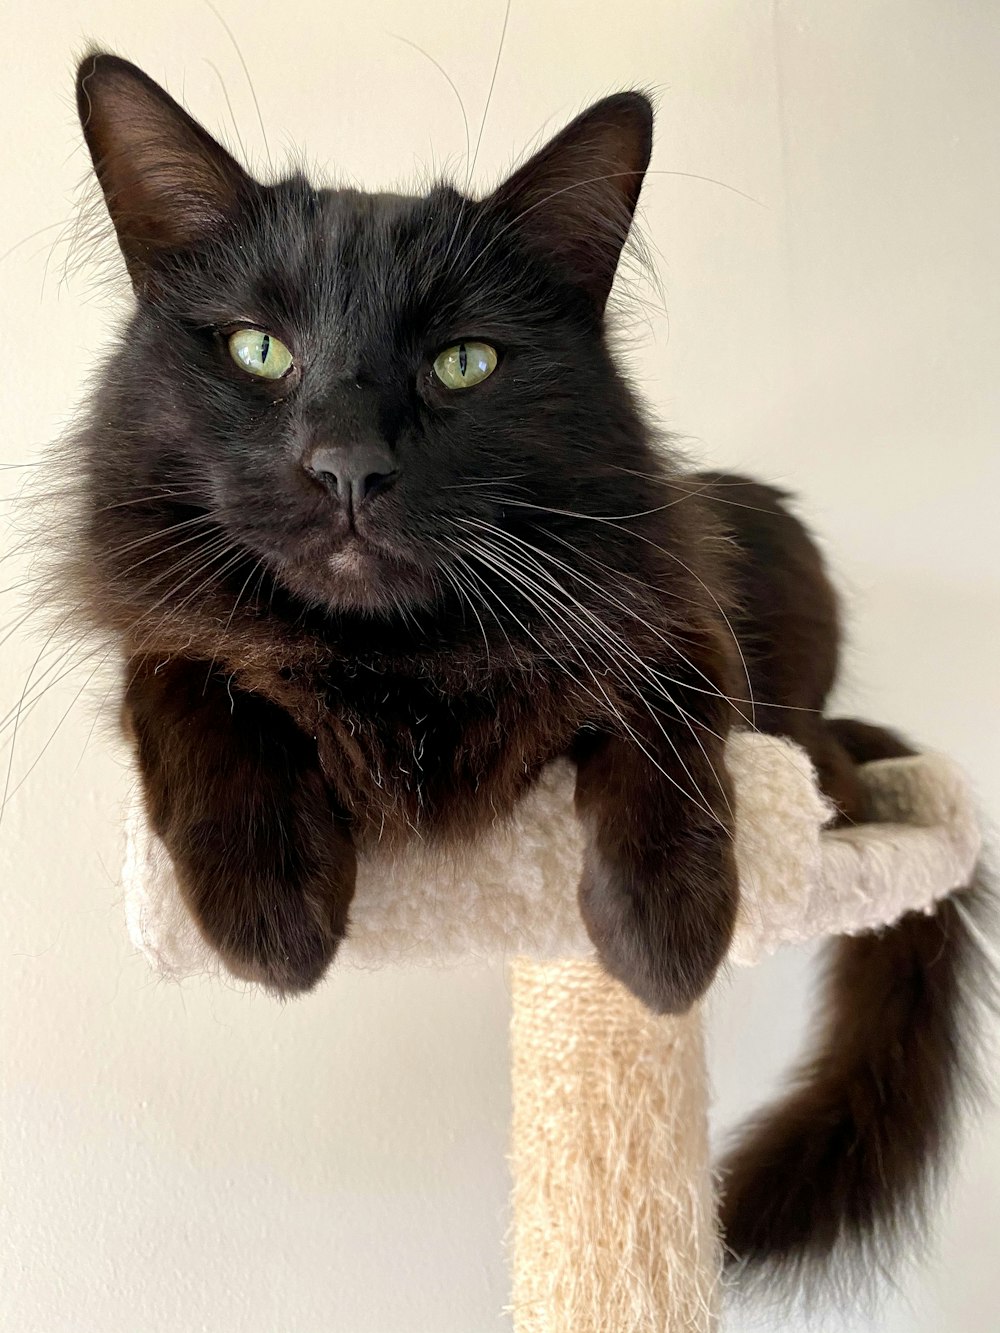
(313, 668)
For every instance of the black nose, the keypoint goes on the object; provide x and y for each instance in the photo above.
(354, 472)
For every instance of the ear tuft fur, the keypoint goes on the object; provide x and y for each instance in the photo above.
(574, 200)
(167, 183)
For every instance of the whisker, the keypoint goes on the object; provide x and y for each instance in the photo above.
(593, 180)
(475, 583)
(692, 491)
(8, 797)
(450, 81)
(489, 95)
(465, 600)
(518, 580)
(232, 115)
(214, 551)
(647, 669)
(18, 711)
(488, 481)
(246, 71)
(627, 656)
(628, 610)
(522, 504)
(151, 498)
(38, 691)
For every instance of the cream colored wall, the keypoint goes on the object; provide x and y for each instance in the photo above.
(182, 1159)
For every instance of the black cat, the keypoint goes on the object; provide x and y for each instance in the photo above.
(380, 530)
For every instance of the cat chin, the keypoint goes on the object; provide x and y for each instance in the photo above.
(358, 580)
(351, 564)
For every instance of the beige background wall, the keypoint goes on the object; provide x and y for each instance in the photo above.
(184, 1159)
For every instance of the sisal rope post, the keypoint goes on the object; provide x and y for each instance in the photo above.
(613, 1208)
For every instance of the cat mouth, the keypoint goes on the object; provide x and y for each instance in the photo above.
(354, 573)
(367, 573)
(354, 559)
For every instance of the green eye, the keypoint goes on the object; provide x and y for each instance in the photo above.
(465, 364)
(260, 354)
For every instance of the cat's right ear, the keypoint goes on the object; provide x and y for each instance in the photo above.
(167, 183)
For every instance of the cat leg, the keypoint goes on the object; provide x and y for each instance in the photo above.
(659, 888)
(234, 788)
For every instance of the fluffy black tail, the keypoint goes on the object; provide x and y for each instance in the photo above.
(846, 1159)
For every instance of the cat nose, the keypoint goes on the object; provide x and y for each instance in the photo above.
(355, 472)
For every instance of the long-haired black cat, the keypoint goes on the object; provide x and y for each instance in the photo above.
(380, 530)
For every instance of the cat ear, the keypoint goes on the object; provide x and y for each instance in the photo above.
(166, 181)
(573, 201)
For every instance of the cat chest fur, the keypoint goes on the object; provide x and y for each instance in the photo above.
(407, 756)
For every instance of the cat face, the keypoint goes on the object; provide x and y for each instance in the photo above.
(352, 385)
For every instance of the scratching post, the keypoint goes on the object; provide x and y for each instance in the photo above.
(613, 1220)
(614, 1225)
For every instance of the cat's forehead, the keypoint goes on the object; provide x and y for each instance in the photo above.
(375, 229)
(375, 207)
(354, 257)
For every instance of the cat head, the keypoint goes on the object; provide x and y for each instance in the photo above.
(357, 389)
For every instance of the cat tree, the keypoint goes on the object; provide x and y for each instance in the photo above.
(614, 1220)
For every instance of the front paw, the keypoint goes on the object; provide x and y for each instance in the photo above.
(272, 899)
(662, 931)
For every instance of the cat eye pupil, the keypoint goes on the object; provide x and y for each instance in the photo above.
(464, 364)
(260, 354)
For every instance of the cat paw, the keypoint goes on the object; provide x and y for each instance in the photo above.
(662, 937)
(285, 945)
(274, 919)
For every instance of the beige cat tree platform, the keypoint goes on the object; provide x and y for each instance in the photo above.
(614, 1220)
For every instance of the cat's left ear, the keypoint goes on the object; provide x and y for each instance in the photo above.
(167, 183)
(573, 202)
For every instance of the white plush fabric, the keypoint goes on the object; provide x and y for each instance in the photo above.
(515, 892)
